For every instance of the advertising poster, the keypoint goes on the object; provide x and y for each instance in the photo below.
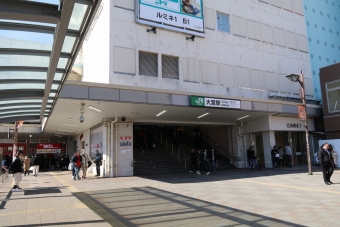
(179, 13)
(125, 144)
(96, 142)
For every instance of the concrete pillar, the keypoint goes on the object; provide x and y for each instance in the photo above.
(239, 148)
(268, 144)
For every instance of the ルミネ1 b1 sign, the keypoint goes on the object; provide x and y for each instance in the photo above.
(186, 14)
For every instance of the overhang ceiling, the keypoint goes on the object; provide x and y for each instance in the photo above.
(39, 42)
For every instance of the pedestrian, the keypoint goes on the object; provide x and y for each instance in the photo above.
(58, 162)
(66, 161)
(217, 153)
(326, 162)
(7, 162)
(16, 168)
(36, 165)
(275, 157)
(87, 161)
(175, 141)
(289, 158)
(193, 161)
(98, 162)
(212, 159)
(253, 158)
(72, 163)
(52, 163)
(249, 156)
(203, 157)
(77, 163)
(27, 165)
(334, 154)
(281, 160)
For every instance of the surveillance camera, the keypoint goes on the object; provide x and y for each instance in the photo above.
(81, 119)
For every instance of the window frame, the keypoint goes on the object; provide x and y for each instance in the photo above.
(219, 22)
(329, 90)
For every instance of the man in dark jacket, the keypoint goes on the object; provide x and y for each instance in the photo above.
(16, 169)
(193, 161)
(326, 162)
(252, 158)
(36, 165)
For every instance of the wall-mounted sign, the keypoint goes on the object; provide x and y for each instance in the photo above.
(213, 102)
(48, 146)
(301, 112)
(125, 144)
(7, 149)
(185, 15)
(294, 125)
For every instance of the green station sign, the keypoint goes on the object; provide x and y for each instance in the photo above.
(198, 101)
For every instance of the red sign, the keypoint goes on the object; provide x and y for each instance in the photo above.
(301, 112)
(8, 148)
(49, 146)
(81, 137)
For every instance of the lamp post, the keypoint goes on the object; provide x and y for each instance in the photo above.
(300, 79)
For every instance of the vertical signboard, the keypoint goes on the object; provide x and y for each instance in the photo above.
(125, 144)
(180, 15)
(301, 112)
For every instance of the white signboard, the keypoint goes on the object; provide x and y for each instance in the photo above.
(180, 14)
(125, 144)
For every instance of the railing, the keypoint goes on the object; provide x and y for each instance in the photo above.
(178, 156)
(231, 157)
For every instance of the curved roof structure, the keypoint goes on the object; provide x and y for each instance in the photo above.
(39, 42)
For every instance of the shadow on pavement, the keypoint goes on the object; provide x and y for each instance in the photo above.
(149, 206)
(59, 223)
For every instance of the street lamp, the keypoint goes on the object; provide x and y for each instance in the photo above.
(300, 79)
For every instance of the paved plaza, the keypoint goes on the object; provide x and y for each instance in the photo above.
(227, 198)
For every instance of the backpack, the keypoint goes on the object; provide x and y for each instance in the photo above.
(316, 157)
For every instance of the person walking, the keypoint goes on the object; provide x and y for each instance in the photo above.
(217, 153)
(289, 158)
(66, 161)
(281, 160)
(16, 168)
(334, 154)
(326, 162)
(203, 158)
(193, 161)
(212, 159)
(27, 165)
(275, 157)
(36, 165)
(98, 162)
(77, 163)
(85, 163)
(253, 159)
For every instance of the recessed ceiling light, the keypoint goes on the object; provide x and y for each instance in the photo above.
(62, 130)
(203, 115)
(93, 108)
(72, 125)
(164, 111)
(134, 113)
(243, 117)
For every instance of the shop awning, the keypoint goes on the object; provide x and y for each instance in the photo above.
(39, 42)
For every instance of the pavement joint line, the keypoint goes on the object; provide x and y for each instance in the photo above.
(287, 186)
(65, 183)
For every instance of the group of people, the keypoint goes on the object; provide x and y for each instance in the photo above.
(81, 161)
(282, 158)
(203, 159)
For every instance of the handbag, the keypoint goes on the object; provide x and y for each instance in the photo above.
(31, 168)
(100, 163)
(70, 166)
(89, 164)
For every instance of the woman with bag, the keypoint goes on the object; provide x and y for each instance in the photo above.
(77, 163)
(276, 157)
(87, 162)
(16, 169)
(27, 165)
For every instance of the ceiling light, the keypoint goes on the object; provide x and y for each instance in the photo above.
(93, 108)
(73, 119)
(62, 130)
(72, 125)
(243, 117)
(134, 113)
(164, 111)
(203, 115)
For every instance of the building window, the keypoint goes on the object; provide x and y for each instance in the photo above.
(326, 1)
(321, 13)
(334, 61)
(325, 44)
(328, 16)
(313, 10)
(309, 39)
(170, 67)
(315, 26)
(333, 3)
(320, 58)
(312, 56)
(333, 46)
(330, 30)
(314, 73)
(337, 33)
(307, 23)
(305, 7)
(148, 64)
(333, 94)
(223, 23)
(335, 18)
(323, 28)
(327, 59)
(317, 41)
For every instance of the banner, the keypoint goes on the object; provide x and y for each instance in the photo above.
(48, 146)
(301, 112)
(186, 14)
(7, 148)
(214, 102)
(125, 144)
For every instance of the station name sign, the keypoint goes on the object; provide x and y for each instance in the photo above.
(48, 146)
(214, 102)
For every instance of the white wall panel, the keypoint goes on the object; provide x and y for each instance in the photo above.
(279, 35)
(191, 70)
(251, 13)
(253, 30)
(302, 42)
(267, 33)
(227, 75)
(271, 81)
(241, 56)
(223, 5)
(121, 64)
(209, 18)
(225, 53)
(290, 25)
(265, 17)
(255, 59)
(269, 62)
(291, 40)
(276, 3)
(126, 4)
(278, 21)
(242, 77)
(237, 9)
(258, 79)
(239, 26)
(309, 87)
(285, 84)
(209, 73)
(287, 4)
(298, 6)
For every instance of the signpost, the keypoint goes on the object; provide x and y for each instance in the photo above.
(214, 102)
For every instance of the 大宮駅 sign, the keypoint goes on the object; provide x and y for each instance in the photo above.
(186, 14)
(214, 102)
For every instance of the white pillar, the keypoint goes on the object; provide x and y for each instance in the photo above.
(268, 144)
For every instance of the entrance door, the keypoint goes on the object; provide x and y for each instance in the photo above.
(83, 145)
(259, 149)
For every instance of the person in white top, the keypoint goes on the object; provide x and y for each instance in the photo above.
(334, 154)
(85, 159)
(288, 152)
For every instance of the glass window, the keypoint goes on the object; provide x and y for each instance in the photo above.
(20, 115)
(68, 44)
(77, 16)
(19, 111)
(24, 60)
(223, 23)
(20, 107)
(20, 101)
(22, 86)
(58, 76)
(16, 75)
(333, 99)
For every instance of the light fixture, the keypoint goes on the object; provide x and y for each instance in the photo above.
(191, 37)
(203, 115)
(71, 125)
(62, 130)
(73, 119)
(293, 77)
(134, 113)
(93, 108)
(153, 29)
(31, 136)
(164, 111)
(243, 117)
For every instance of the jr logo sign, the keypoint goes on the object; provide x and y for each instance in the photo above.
(197, 101)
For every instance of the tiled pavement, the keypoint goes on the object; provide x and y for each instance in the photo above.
(227, 198)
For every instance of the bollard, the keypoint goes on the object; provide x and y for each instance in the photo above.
(2, 178)
(6, 175)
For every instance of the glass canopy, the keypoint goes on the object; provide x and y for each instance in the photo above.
(39, 41)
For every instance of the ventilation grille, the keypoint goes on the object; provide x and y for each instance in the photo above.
(170, 67)
(148, 64)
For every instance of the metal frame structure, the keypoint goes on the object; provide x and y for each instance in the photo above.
(32, 97)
